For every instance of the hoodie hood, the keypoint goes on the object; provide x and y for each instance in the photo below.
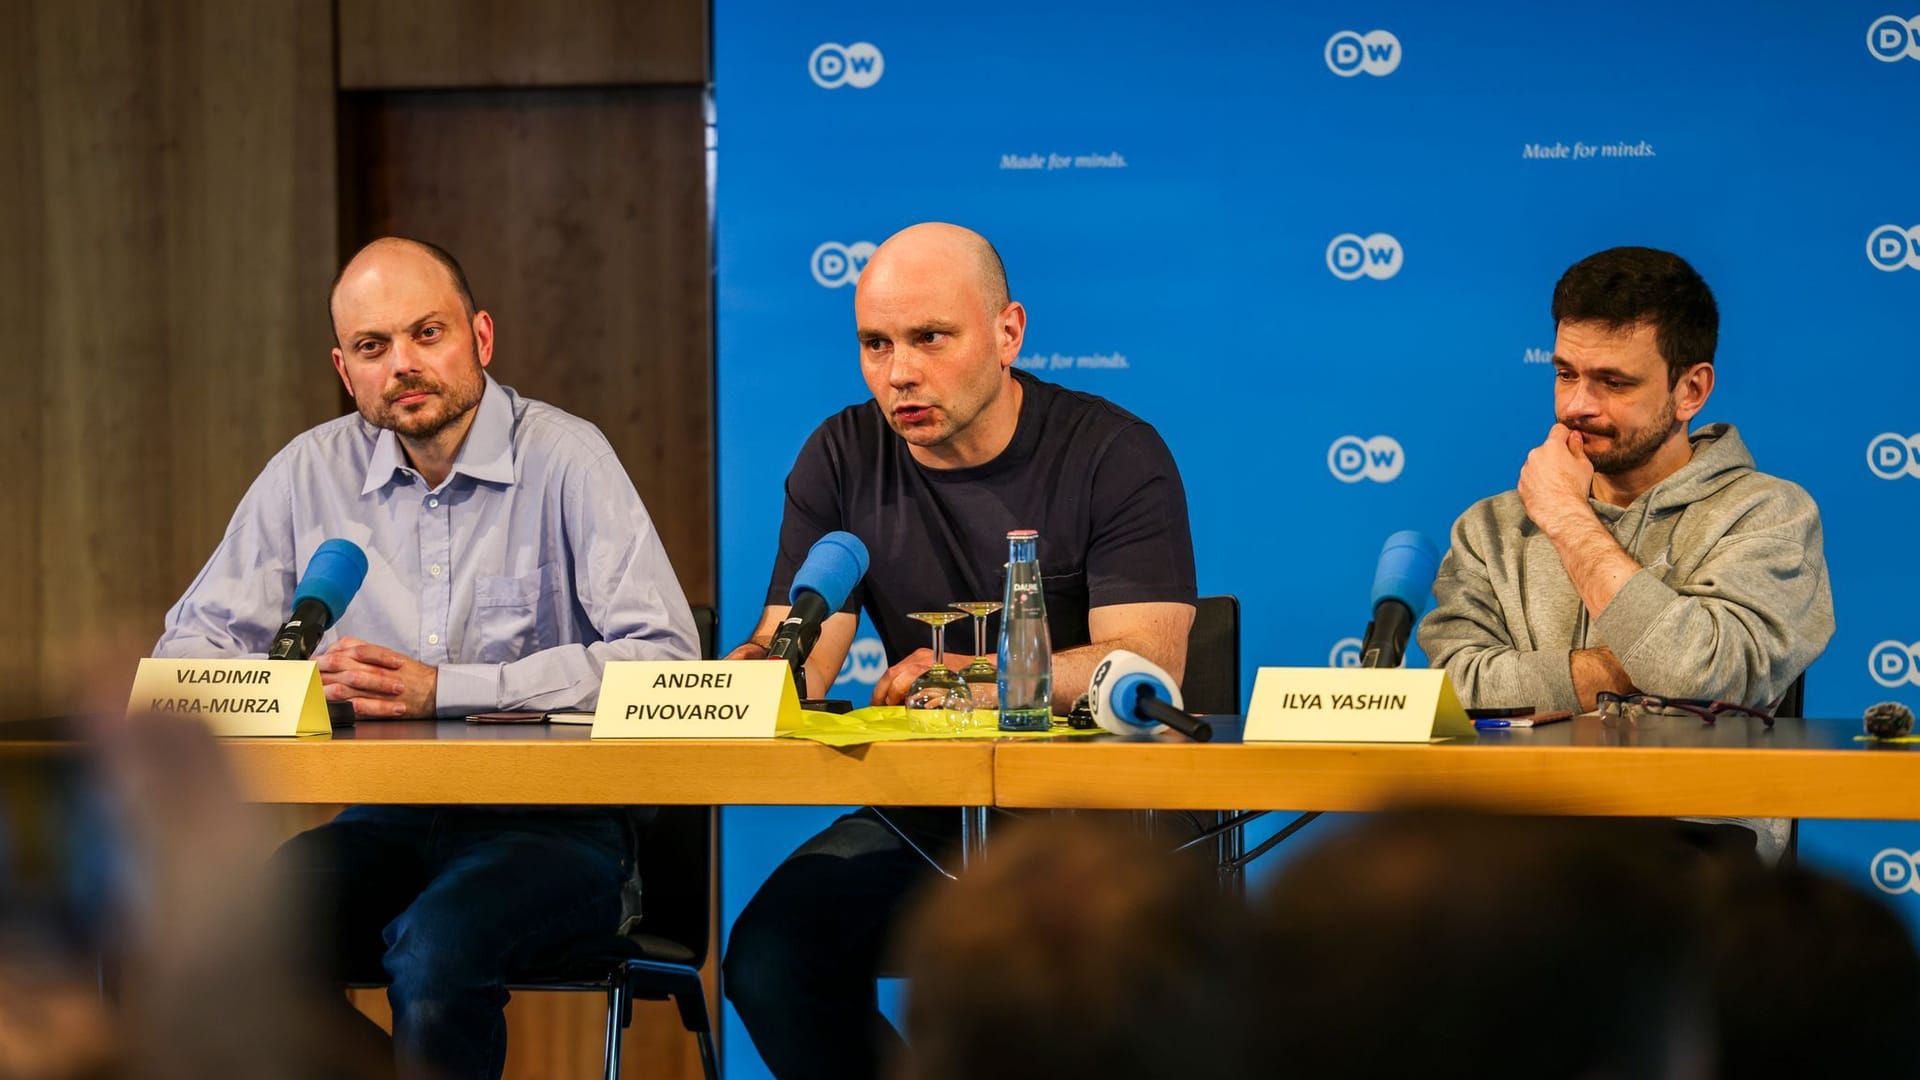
(1719, 458)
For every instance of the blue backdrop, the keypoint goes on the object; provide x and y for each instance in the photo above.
(1315, 246)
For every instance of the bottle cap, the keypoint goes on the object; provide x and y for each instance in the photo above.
(1024, 534)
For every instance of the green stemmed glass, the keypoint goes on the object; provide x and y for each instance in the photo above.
(981, 670)
(938, 702)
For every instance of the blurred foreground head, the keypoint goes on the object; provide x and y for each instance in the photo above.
(1812, 977)
(1451, 944)
(127, 855)
(1076, 950)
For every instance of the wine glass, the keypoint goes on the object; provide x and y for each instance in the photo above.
(938, 702)
(980, 671)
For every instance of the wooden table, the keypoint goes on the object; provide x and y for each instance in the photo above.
(1738, 767)
(1735, 768)
(451, 761)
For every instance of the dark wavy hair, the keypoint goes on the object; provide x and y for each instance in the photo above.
(1624, 287)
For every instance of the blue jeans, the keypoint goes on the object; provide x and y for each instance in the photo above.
(446, 904)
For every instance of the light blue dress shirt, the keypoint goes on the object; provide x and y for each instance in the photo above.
(532, 565)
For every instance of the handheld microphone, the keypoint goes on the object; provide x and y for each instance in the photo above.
(333, 575)
(834, 565)
(1401, 583)
(1132, 694)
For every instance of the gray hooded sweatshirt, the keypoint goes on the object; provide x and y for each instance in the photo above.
(1731, 601)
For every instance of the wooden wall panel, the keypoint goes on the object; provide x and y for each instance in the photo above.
(22, 254)
(178, 225)
(440, 44)
(581, 219)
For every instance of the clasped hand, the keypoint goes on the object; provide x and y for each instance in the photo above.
(380, 682)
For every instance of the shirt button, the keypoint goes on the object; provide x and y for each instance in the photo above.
(434, 503)
(434, 569)
(433, 639)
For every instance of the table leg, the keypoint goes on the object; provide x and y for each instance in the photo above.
(973, 835)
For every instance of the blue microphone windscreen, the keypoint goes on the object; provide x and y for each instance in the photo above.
(333, 575)
(1408, 564)
(835, 564)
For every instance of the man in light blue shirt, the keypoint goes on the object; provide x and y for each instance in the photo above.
(509, 558)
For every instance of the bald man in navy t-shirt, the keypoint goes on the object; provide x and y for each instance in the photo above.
(955, 450)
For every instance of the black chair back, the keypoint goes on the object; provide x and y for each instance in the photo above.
(676, 883)
(1794, 703)
(704, 618)
(1212, 682)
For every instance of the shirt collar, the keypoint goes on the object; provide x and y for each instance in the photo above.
(485, 454)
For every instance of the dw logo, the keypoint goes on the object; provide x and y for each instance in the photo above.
(1891, 37)
(1346, 653)
(1351, 257)
(835, 264)
(1892, 456)
(1891, 247)
(858, 65)
(865, 662)
(1893, 871)
(1375, 52)
(1353, 459)
(1894, 664)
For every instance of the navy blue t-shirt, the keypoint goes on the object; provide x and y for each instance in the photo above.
(1096, 481)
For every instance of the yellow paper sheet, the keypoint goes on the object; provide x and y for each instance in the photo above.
(888, 723)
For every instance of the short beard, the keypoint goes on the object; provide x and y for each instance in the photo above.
(1636, 449)
(455, 402)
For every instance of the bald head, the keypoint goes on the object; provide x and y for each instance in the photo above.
(374, 265)
(409, 346)
(934, 250)
(938, 340)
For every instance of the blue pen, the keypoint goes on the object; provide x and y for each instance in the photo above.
(1536, 720)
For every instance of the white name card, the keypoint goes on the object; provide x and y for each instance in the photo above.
(695, 699)
(235, 697)
(1354, 705)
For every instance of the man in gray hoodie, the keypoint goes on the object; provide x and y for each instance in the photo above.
(1633, 555)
